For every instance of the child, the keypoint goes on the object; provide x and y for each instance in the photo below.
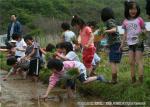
(86, 39)
(133, 25)
(96, 58)
(49, 48)
(93, 26)
(67, 35)
(10, 48)
(114, 42)
(33, 54)
(11, 61)
(69, 54)
(58, 68)
(20, 46)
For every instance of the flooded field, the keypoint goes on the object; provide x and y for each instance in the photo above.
(20, 93)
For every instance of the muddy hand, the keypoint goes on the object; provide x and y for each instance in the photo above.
(44, 97)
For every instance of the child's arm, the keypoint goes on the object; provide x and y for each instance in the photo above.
(123, 40)
(114, 29)
(50, 87)
(31, 54)
(79, 39)
(43, 51)
(3, 50)
(54, 78)
(61, 56)
(21, 49)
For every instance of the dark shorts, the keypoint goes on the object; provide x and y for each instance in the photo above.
(34, 67)
(70, 83)
(136, 47)
(114, 54)
(81, 78)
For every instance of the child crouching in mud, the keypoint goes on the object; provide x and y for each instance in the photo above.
(60, 68)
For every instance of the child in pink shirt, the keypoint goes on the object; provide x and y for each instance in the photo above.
(60, 68)
(86, 39)
(134, 25)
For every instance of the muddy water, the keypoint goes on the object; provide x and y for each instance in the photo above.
(19, 93)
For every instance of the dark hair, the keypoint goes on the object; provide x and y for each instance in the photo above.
(10, 45)
(50, 47)
(92, 23)
(11, 60)
(16, 36)
(77, 21)
(59, 45)
(28, 37)
(106, 14)
(65, 26)
(128, 6)
(55, 64)
(67, 46)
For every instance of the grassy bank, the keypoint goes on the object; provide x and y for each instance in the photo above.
(124, 91)
(3, 61)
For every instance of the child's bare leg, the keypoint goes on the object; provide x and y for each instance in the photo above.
(99, 78)
(9, 73)
(90, 70)
(70, 92)
(114, 69)
(139, 60)
(132, 65)
(90, 79)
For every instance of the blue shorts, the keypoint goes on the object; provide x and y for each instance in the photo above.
(114, 54)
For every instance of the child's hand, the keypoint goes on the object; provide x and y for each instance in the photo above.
(121, 47)
(57, 53)
(86, 46)
(44, 97)
(17, 49)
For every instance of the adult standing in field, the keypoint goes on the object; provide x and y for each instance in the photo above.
(14, 27)
(148, 8)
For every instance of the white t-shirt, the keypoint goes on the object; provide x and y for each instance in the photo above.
(20, 44)
(75, 64)
(72, 56)
(96, 59)
(68, 36)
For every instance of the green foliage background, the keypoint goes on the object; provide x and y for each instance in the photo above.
(35, 14)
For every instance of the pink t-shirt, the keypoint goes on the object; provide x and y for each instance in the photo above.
(133, 28)
(85, 34)
(54, 78)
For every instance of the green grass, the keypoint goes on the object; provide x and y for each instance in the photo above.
(123, 91)
(3, 62)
